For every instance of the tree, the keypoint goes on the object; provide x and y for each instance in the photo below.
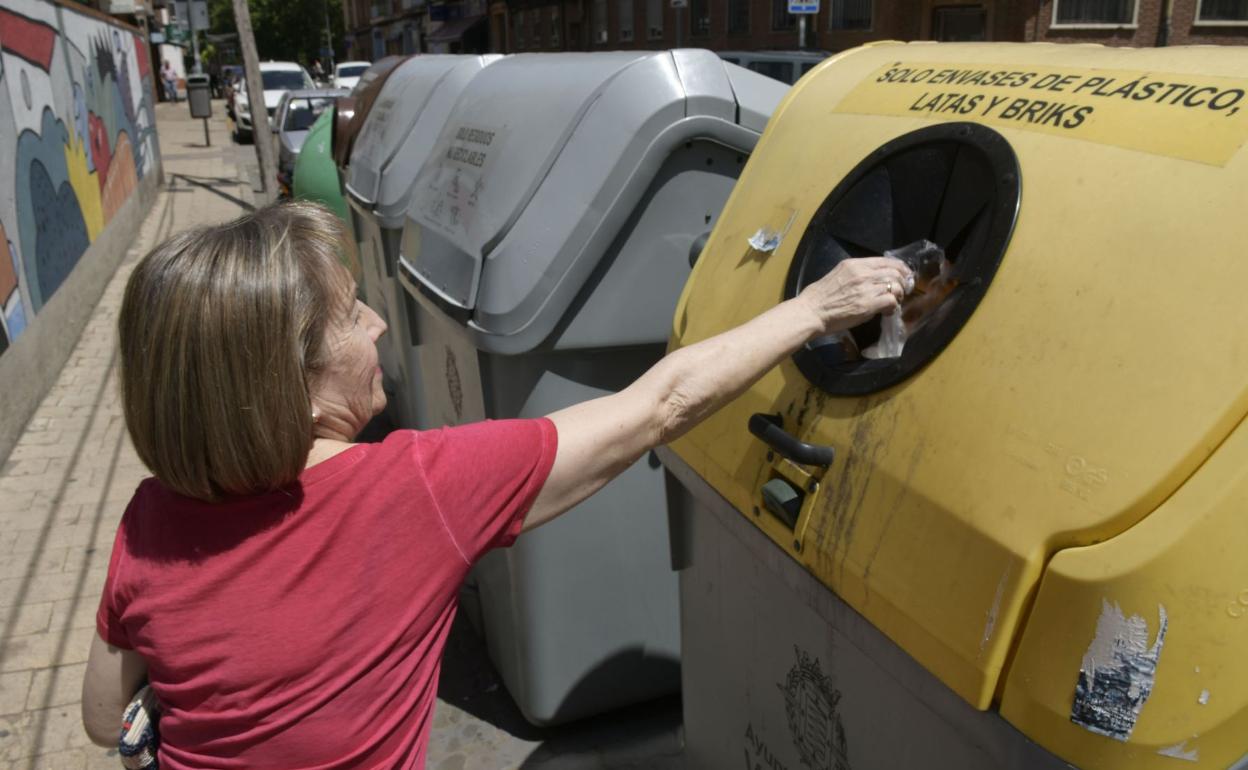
(286, 30)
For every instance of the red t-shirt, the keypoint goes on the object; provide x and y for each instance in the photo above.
(304, 628)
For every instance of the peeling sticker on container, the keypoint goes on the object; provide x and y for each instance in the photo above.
(810, 703)
(1204, 698)
(1180, 751)
(993, 611)
(767, 239)
(1117, 674)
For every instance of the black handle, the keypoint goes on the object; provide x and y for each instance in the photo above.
(770, 428)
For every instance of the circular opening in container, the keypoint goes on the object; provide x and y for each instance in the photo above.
(956, 185)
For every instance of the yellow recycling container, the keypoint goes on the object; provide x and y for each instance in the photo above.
(1024, 541)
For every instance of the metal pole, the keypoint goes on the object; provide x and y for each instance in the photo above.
(801, 32)
(199, 70)
(207, 139)
(261, 134)
(679, 13)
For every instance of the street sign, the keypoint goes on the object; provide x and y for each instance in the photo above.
(182, 13)
(680, 3)
(199, 15)
(157, 38)
(803, 6)
(175, 35)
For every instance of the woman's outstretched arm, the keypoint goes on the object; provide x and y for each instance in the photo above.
(599, 439)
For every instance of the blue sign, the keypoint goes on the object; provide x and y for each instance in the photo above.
(803, 6)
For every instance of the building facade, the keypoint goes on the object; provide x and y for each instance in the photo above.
(588, 25)
(1141, 23)
(379, 28)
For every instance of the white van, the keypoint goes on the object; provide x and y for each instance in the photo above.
(785, 66)
(278, 77)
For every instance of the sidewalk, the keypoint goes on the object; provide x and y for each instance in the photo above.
(66, 483)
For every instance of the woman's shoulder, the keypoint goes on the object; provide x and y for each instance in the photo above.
(471, 443)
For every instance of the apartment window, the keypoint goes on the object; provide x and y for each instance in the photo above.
(699, 18)
(625, 10)
(535, 17)
(849, 14)
(654, 19)
(1222, 10)
(555, 27)
(781, 19)
(1079, 12)
(518, 31)
(599, 22)
(960, 24)
(738, 17)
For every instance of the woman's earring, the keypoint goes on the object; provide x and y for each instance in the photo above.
(315, 417)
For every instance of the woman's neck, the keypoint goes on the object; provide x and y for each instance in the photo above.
(325, 448)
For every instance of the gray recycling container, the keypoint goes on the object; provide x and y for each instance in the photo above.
(548, 238)
(199, 95)
(393, 144)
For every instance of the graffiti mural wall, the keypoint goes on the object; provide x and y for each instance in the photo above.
(77, 133)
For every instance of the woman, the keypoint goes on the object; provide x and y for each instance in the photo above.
(288, 593)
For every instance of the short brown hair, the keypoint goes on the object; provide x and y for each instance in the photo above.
(221, 332)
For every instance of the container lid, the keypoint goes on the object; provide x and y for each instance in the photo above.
(403, 125)
(757, 97)
(541, 155)
(353, 110)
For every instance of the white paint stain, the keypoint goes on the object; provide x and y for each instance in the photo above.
(1180, 751)
(993, 611)
(1204, 698)
(1117, 674)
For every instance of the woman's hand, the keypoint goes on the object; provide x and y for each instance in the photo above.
(855, 290)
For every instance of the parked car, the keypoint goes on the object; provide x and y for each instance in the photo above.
(347, 74)
(785, 66)
(296, 112)
(278, 77)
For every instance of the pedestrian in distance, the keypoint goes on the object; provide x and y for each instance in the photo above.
(170, 78)
(286, 591)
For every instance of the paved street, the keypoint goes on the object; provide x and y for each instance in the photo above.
(62, 492)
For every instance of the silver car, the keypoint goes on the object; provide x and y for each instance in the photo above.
(293, 118)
